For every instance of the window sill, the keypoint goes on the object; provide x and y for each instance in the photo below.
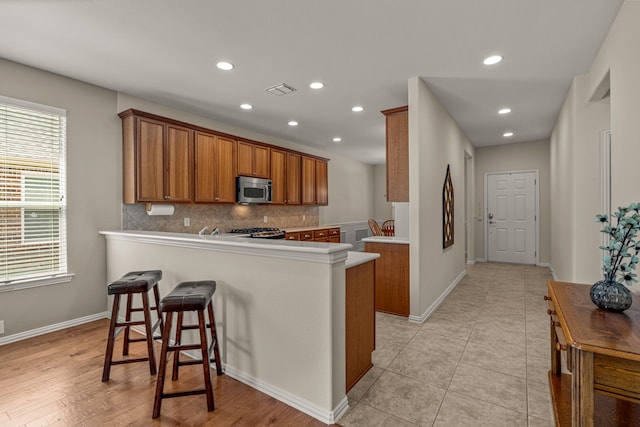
(36, 283)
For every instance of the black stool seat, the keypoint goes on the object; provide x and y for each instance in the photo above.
(189, 296)
(135, 282)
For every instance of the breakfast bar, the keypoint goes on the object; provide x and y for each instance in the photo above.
(280, 306)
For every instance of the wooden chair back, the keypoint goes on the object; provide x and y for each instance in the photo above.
(375, 229)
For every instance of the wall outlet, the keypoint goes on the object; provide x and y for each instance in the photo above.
(304, 217)
(1, 327)
(265, 219)
(187, 222)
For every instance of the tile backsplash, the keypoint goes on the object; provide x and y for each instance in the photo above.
(225, 217)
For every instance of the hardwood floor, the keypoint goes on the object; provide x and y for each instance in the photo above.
(55, 379)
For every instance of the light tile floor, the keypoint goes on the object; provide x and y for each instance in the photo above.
(481, 359)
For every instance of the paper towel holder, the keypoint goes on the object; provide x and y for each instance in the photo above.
(159, 209)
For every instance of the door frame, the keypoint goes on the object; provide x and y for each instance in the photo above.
(537, 210)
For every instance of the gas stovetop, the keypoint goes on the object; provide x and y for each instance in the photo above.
(261, 232)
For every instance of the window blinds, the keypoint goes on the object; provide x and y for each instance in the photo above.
(32, 191)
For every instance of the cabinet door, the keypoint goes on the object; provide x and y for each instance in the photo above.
(397, 154)
(215, 176)
(205, 146)
(245, 159)
(262, 161)
(322, 184)
(225, 171)
(278, 177)
(308, 181)
(293, 179)
(150, 154)
(179, 164)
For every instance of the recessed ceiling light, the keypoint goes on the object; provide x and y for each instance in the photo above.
(246, 106)
(507, 134)
(504, 111)
(357, 109)
(225, 66)
(293, 123)
(492, 60)
(337, 139)
(316, 85)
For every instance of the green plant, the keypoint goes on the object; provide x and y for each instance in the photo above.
(622, 251)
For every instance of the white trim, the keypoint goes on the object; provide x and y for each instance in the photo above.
(537, 210)
(553, 273)
(605, 179)
(544, 264)
(471, 261)
(33, 106)
(327, 417)
(52, 328)
(36, 283)
(423, 317)
(481, 260)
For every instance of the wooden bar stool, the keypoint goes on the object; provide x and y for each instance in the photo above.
(135, 282)
(188, 296)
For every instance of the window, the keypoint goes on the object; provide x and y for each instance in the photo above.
(32, 192)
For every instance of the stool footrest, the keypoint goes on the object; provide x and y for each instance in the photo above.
(129, 323)
(184, 347)
(184, 393)
(132, 360)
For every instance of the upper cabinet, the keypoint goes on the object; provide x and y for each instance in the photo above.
(253, 160)
(397, 154)
(215, 180)
(278, 177)
(165, 160)
(158, 161)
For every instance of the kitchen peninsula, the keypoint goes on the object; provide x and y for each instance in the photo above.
(280, 306)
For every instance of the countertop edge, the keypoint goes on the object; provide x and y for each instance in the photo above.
(387, 239)
(355, 258)
(321, 252)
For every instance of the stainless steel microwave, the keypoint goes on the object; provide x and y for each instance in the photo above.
(253, 190)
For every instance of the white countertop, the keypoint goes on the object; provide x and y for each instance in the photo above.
(357, 258)
(309, 228)
(323, 252)
(387, 239)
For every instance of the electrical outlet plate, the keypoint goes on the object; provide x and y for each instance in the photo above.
(187, 222)
(1, 327)
(265, 219)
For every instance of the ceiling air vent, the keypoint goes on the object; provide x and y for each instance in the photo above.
(281, 89)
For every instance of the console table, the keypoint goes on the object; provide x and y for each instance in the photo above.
(602, 356)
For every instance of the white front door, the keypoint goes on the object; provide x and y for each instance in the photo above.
(511, 217)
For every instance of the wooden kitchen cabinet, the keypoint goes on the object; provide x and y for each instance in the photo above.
(157, 160)
(397, 124)
(360, 322)
(278, 177)
(253, 160)
(308, 181)
(322, 183)
(215, 180)
(317, 234)
(293, 179)
(392, 277)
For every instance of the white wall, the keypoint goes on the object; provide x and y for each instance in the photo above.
(435, 141)
(94, 194)
(575, 149)
(513, 157)
(351, 183)
(382, 210)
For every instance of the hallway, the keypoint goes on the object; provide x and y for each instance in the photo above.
(481, 358)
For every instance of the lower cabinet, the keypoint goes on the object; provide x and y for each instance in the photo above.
(392, 277)
(360, 321)
(331, 235)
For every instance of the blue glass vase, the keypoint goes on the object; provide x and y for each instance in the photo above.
(610, 295)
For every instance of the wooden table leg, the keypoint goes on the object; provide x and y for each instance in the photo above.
(582, 389)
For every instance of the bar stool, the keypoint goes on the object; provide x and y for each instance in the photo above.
(188, 296)
(135, 282)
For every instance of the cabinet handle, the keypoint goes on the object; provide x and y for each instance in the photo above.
(166, 197)
(216, 198)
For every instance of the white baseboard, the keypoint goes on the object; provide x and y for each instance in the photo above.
(302, 405)
(51, 328)
(424, 316)
(471, 261)
(553, 273)
(544, 264)
(481, 260)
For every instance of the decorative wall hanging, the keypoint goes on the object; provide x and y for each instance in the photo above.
(447, 211)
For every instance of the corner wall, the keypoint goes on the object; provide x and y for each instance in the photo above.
(575, 149)
(435, 141)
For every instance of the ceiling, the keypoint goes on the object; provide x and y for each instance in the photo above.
(166, 51)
